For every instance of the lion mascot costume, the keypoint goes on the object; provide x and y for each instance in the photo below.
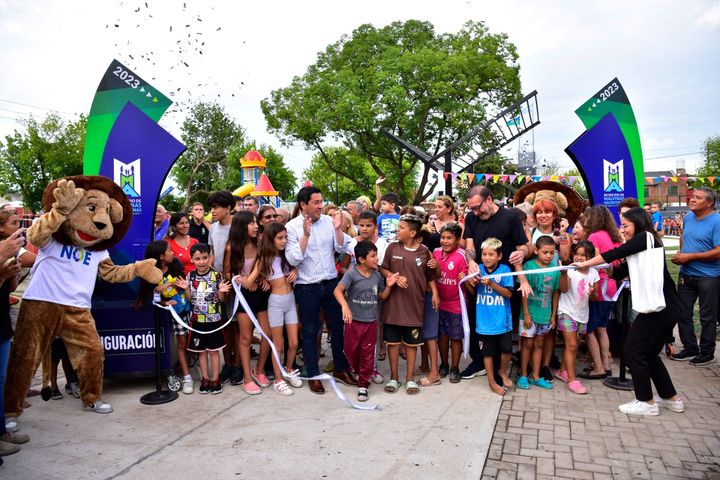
(85, 216)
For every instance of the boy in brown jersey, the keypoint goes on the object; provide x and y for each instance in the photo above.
(402, 312)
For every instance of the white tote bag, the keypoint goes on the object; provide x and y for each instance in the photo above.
(647, 277)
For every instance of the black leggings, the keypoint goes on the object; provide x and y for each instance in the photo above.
(646, 339)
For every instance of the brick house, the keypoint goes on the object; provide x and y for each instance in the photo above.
(669, 193)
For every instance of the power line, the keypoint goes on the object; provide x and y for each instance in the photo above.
(35, 106)
(676, 155)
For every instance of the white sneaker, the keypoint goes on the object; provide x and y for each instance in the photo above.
(98, 407)
(674, 405)
(636, 407)
(282, 388)
(187, 386)
(293, 378)
(11, 424)
(377, 377)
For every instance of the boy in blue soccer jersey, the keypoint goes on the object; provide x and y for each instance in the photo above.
(494, 318)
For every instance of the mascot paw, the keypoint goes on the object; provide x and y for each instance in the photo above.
(147, 270)
(66, 196)
(46, 393)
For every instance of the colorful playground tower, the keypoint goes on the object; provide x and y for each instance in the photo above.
(254, 181)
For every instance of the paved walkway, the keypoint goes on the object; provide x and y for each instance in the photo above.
(556, 434)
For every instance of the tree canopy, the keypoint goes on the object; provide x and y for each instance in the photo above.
(215, 144)
(711, 151)
(425, 87)
(43, 151)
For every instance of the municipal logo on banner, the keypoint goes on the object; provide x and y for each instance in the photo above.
(127, 175)
(614, 177)
(613, 182)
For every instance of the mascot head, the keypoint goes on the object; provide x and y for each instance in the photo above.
(570, 204)
(99, 220)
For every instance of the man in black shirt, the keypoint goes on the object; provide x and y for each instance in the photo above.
(199, 227)
(485, 219)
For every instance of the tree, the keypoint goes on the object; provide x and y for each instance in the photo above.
(208, 133)
(43, 151)
(427, 88)
(339, 188)
(711, 151)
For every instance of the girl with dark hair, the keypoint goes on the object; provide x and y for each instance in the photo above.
(240, 254)
(649, 331)
(272, 267)
(172, 295)
(600, 230)
(180, 241)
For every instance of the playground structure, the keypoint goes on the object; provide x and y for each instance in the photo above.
(255, 181)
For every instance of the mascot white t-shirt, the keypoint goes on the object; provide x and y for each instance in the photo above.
(68, 274)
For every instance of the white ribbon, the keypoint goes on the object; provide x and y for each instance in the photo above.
(240, 299)
(624, 284)
(494, 276)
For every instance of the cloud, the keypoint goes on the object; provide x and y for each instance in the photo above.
(710, 17)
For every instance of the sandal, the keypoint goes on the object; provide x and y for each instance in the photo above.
(425, 382)
(392, 386)
(412, 388)
(382, 356)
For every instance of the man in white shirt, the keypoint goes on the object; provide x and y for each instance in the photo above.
(313, 239)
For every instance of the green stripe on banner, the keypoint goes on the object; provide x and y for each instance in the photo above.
(613, 99)
(107, 104)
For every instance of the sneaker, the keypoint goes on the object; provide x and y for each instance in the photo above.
(683, 355)
(293, 379)
(216, 387)
(56, 394)
(98, 407)
(236, 377)
(454, 375)
(282, 388)
(473, 370)
(362, 394)
(73, 388)
(554, 363)
(547, 374)
(330, 367)
(187, 385)
(15, 438)
(636, 407)
(7, 448)
(540, 382)
(11, 424)
(702, 359)
(562, 375)
(260, 379)
(377, 377)
(251, 388)
(674, 405)
(577, 387)
(204, 386)
(225, 373)
(270, 374)
(523, 383)
(253, 353)
(444, 370)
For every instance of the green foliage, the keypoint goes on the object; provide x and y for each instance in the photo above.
(42, 152)
(357, 175)
(215, 144)
(429, 89)
(711, 151)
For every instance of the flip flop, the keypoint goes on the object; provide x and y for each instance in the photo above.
(392, 386)
(425, 382)
(412, 388)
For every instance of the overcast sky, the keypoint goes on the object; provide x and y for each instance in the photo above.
(665, 53)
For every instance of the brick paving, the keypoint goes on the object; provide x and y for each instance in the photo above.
(548, 434)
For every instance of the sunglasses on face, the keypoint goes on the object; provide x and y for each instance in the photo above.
(268, 217)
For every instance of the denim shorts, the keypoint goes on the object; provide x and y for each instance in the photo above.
(539, 330)
(431, 318)
(451, 325)
(599, 315)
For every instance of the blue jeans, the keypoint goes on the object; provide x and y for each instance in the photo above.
(311, 298)
(704, 289)
(4, 356)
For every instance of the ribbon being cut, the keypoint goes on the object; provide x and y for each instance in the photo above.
(463, 306)
(240, 299)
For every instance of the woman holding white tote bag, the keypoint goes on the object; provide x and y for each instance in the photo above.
(654, 290)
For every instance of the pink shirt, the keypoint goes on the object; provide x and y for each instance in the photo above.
(447, 285)
(602, 241)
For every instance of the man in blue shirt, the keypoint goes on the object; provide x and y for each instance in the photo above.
(699, 278)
